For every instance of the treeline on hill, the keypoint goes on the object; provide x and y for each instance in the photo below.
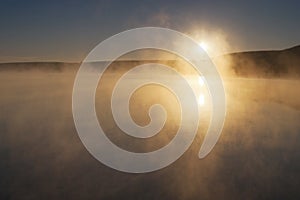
(266, 64)
(38, 66)
(256, 64)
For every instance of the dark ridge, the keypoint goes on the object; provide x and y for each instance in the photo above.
(38, 66)
(295, 49)
(260, 64)
(292, 49)
(279, 63)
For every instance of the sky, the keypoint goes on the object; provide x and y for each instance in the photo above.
(67, 30)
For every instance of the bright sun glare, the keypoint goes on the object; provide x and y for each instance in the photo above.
(203, 45)
(201, 100)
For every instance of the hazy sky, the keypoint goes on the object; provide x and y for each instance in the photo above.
(68, 30)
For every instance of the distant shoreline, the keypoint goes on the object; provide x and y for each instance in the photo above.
(252, 64)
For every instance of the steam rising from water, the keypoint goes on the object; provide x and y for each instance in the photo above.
(256, 157)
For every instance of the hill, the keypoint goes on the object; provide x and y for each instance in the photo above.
(256, 64)
(268, 64)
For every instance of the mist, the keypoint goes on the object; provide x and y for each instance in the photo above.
(256, 157)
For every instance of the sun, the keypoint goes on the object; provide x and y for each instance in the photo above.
(201, 100)
(204, 45)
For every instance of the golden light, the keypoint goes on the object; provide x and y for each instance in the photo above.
(201, 100)
(201, 81)
(203, 45)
